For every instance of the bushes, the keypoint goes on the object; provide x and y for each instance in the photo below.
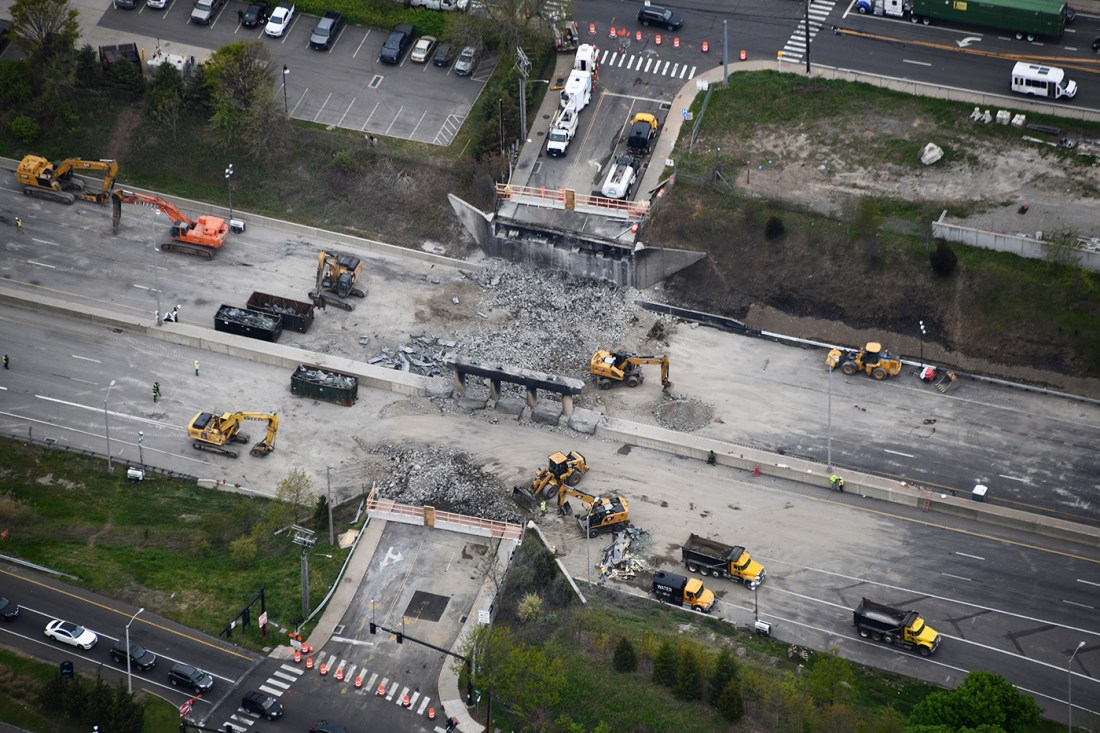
(943, 259)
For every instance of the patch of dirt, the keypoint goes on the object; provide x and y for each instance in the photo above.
(118, 145)
(684, 414)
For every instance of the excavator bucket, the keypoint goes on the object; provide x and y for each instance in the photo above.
(946, 382)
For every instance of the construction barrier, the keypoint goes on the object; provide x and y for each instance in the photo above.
(591, 29)
(309, 663)
(324, 669)
(657, 39)
(340, 674)
(382, 690)
(706, 47)
(358, 683)
(676, 42)
(297, 657)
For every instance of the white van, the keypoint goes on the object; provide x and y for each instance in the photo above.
(587, 58)
(1042, 81)
(577, 91)
(621, 178)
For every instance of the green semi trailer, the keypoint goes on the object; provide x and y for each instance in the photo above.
(1028, 19)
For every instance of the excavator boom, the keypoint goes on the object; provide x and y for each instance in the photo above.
(40, 177)
(216, 432)
(200, 237)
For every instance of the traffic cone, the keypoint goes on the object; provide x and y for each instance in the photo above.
(756, 471)
(657, 39)
(743, 54)
(405, 702)
(638, 36)
(297, 657)
(309, 662)
(340, 674)
(676, 42)
(382, 690)
(591, 29)
(358, 683)
(431, 713)
(706, 47)
(324, 670)
(613, 34)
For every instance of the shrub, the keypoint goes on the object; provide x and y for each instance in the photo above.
(25, 128)
(624, 660)
(689, 674)
(731, 703)
(664, 664)
(943, 259)
(774, 229)
(530, 608)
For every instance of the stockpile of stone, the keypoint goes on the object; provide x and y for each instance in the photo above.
(683, 414)
(446, 479)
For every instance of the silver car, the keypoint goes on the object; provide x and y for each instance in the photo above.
(467, 61)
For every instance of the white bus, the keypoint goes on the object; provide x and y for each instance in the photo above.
(1042, 81)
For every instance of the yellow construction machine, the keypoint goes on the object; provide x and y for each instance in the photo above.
(871, 359)
(212, 431)
(40, 177)
(561, 470)
(600, 514)
(620, 367)
(337, 280)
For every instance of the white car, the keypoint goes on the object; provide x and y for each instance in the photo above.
(72, 634)
(422, 51)
(157, 4)
(279, 20)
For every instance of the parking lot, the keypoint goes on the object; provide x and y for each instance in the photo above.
(344, 87)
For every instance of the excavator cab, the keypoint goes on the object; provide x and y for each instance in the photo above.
(338, 275)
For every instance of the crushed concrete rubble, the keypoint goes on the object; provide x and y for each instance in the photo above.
(251, 318)
(620, 558)
(421, 354)
(443, 478)
(684, 414)
(329, 379)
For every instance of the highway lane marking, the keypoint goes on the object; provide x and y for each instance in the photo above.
(84, 381)
(958, 577)
(42, 264)
(85, 358)
(124, 614)
(898, 453)
(1079, 605)
(1013, 478)
(913, 591)
(915, 63)
(1088, 582)
(976, 557)
(95, 408)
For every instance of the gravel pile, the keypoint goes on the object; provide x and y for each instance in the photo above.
(445, 479)
(554, 322)
(683, 414)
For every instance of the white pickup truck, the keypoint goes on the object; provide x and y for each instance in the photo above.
(562, 130)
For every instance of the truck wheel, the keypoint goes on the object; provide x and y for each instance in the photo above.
(864, 633)
(693, 568)
(574, 478)
(848, 367)
(878, 373)
(888, 638)
(633, 381)
(716, 573)
(924, 651)
(862, 9)
(604, 384)
(1031, 37)
(926, 21)
(593, 533)
(876, 636)
(914, 19)
(1019, 36)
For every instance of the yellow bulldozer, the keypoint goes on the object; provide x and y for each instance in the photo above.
(214, 432)
(621, 367)
(871, 359)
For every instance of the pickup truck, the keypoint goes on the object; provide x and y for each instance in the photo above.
(325, 32)
(562, 130)
(394, 47)
(279, 20)
(643, 133)
(205, 10)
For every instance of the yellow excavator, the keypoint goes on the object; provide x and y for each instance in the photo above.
(600, 515)
(40, 177)
(337, 280)
(621, 367)
(871, 359)
(212, 431)
(561, 470)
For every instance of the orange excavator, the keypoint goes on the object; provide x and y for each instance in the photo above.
(201, 237)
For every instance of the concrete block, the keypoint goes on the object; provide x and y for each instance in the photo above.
(546, 413)
(584, 421)
(472, 403)
(510, 406)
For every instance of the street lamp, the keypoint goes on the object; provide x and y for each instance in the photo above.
(922, 334)
(129, 675)
(229, 183)
(286, 105)
(156, 268)
(141, 453)
(107, 424)
(1069, 691)
(829, 426)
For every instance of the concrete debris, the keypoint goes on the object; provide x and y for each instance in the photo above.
(683, 414)
(930, 153)
(455, 300)
(445, 479)
(329, 379)
(422, 355)
(620, 558)
(250, 318)
(364, 340)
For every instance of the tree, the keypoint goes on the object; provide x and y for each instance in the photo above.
(126, 78)
(689, 673)
(624, 659)
(15, 84)
(730, 702)
(983, 698)
(725, 671)
(242, 97)
(44, 28)
(293, 494)
(164, 98)
(664, 664)
(831, 680)
(943, 259)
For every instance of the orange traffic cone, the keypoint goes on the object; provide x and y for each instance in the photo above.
(706, 47)
(657, 39)
(591, 29)
(431, 713)
(382, 690)
(676, 42)
(743, 54)
(340, 674)
(309, 662)
(638, 36)
(324, 670)
(405, 701)
(358, 683)
(297, 657)
(613, 34)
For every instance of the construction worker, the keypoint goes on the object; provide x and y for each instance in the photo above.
(19, 225)
(542, 507)
(156, 391)
(836, 483)
(5, 361)
(196, 367)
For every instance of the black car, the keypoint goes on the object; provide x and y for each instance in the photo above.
(140, 657)
(256, 14)
(126, 4)
(394, 47)
(263, 705)
(656, 15)
(9, 610)
(323, 726)
(1096, 44)
(444, 52)
(193, 678)
(326, 30)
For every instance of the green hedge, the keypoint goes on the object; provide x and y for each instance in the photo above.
(381, 14)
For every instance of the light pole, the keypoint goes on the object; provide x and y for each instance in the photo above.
(1069, 690)
(229, 183)
(922, 334)
(129, 675)
(286, 105)
(156, 266)
(141, 453)
(829, 426)
(107, 425)
(588, 543)
(328, 483)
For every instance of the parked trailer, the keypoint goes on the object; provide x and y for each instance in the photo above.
(325, 384)
(247, 322)
(296, 315)
(1028, 19)
(889, 625)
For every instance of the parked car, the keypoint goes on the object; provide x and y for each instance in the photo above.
(263, 705)
(205, 11)
(157, 4)
(394, 47)
(72, 634)
(279, 20)
(126, 4)
(193, 678)
(9, 610)
(467, 61)
(422, 51)
(1096, 44)
(323, 726)
(256, 14)
(444, 54)
(656, 15)
(140, 657)
(326, 30)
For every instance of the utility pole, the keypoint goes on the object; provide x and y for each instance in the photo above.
(328, 483)
(725, 52)
(807, 37)
(305, 539)
(523, 66)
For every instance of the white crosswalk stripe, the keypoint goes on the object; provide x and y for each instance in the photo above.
(273, 691)
(795, 48)
(288, 670)
(392, 690)
(648, 65)
(423, 705)
(373, 679)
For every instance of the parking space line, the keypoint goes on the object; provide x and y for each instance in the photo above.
(394, 121)
(322, 107)
(412, 134)
(364, 127)
(341, 122)
(300, 100)
(360, 46)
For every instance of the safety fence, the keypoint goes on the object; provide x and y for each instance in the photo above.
(569, 200)
(431, 517)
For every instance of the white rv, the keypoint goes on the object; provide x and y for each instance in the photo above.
(1042, 81)
(587, 58)
(577, 91)
(620, 179)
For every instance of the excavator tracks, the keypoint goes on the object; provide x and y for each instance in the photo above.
(211, 448)
(61, 196)
(196, 250)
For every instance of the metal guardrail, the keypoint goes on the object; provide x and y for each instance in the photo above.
(428, 516)
(52, 443)
(569, 200)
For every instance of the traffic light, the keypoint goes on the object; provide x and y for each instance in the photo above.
(373, 628)
(400, 638)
